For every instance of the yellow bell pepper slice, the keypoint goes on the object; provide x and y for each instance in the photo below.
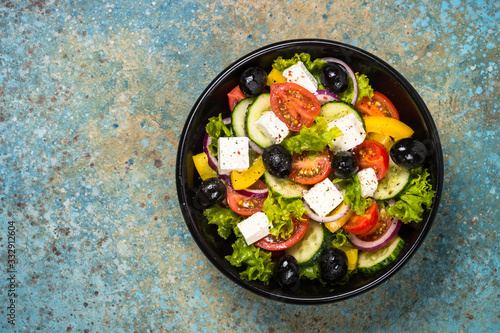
(201, 165)
(336, 225)
(352, 257)
(386, 140)
(387, 126)
(243, 179)
(274, 77)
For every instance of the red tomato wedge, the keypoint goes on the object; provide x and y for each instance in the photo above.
(235, 96)
(378, 105)
(243, 205)
(271, 244)
(372, 154)
(361, 224)
(378, 230)
(309, 168)
(294, 105)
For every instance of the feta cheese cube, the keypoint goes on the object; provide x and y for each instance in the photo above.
(369, 182)
(353, 133)
(255, 227)
(323, 197)
(233, 154)
(299, 74)
(272, 127)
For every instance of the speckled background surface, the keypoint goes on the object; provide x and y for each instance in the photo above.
(93, 97)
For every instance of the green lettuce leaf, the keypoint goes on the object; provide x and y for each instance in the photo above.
(314, 67)
(419, 194)
(224, 218)
(258, 262)
(312, 139)
(364, 89)
(341, 239)
(311, 272)
(216, 129)
(353, 196)
(278, 209)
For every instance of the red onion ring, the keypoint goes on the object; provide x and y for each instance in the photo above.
(258, 190)
(325, 96)
(255, 147)
(351, 74)
(369, 246)
(226, 180)
(255, 191)
(212, 160)
(340, 214)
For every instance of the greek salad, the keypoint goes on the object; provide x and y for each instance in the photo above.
(312, 175)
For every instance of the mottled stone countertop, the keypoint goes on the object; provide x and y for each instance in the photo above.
(93, 98)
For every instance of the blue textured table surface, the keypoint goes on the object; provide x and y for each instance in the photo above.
(93, 97)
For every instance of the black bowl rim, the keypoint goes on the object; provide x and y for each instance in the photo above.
(424, 112)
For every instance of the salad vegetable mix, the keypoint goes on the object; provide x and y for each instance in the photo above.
(312, 175)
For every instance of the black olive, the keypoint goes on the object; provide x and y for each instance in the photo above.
(334, 78)
(277, 161)
(287, 273)
(333, 265)
(344, 165)
(408, 153)
(210, 192)
(253, 81)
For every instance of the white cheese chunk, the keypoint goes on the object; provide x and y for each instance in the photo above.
(299, 74)
(255, 227)
(323, 197)
(272, 127)
(353, 133)
(233, 154)
(369, 182)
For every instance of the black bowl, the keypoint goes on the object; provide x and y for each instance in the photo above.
(213, 100)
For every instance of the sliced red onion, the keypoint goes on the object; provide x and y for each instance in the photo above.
(255, 147)
(351, 74)
(369, 246)
(226, 180)
(325, 96)
(212, 160)
(340, 214)
(256, 194)
(257, 191)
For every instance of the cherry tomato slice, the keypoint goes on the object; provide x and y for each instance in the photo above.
(294, 105)
(372, 154)
(310, 168)
(235, 96)
(378, 105)
(360, 224)
(271, 244)
(242, 204)
(379, 229)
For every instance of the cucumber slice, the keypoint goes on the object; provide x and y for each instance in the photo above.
(337, 109)
(394, 182)
(260, 105)
(309, 249)
(239, 115)
(285, 187)
(371, 262)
